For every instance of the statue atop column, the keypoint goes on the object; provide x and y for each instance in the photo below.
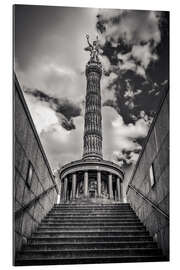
(94, 49)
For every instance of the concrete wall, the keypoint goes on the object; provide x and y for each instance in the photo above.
(125, 183)
(31, 200)
(156, 152)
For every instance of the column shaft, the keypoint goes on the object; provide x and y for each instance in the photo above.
(59, 193)
(110, 186)
(99, 183)
(118, 187)
(74, 186)
(121, 192)
(86, 184)
(65, 188)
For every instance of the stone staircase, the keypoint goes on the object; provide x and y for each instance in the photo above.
(89, 233)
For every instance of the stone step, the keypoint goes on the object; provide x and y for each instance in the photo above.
(95, 207)
(91, 228)
(92, 219)
(78, 233)
(82, 212)
(91, 212)
(125, 211)
(89, 233)
(92, 238)
(87, 245)
(80, 253)
(90, 223)
(68, 215)
(90, 260)
(76, 205)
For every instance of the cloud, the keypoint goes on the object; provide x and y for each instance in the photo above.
(54, 79)
(143, 54)
(127, 25)
(133, 94)
(126, 139)
(136, 40)
(136, 44)
(67, 124)
(138, 59)
(137, 130)
(49, 55)
(126, 158)
(65, 109)
(43, 116)
(61, 145)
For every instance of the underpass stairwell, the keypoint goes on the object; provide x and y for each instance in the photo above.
(89, 233)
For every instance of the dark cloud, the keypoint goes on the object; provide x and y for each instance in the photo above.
(139, 55)
(68, 125)
(65, 109)
(110, 103)
(139, 140)
(136, 44)
(130, 101)
(126, 158)
(38, 94)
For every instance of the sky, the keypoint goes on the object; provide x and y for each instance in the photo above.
(50, 62)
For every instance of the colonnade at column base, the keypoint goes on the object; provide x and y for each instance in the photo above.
(91, 181)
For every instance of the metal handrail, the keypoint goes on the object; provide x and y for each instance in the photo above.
(139, 193)
(34, 201)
